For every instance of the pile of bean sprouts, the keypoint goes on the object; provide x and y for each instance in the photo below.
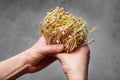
(60, 27)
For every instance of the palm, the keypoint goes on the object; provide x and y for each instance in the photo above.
(77, 59)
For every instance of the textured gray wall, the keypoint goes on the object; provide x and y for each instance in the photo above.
(19, 21)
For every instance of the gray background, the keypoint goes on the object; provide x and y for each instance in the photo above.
(19, 29)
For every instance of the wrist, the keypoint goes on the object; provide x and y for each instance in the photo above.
(21, 60)
(13, 67)
(25, 57)
(77, 74)
(30, 57)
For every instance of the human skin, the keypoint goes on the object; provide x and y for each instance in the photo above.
(32, 60)
(75, 65)
(40, 55)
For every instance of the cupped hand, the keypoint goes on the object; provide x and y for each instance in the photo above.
(39, 56)
(75, 64)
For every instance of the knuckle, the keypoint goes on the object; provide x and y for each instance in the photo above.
(52, 48)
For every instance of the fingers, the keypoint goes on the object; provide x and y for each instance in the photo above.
(44, 49)
(83, 50)
(62, 56)
(51, 49)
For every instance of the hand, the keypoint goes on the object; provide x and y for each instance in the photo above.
(38, 56)
(75, 64)
(34, 59)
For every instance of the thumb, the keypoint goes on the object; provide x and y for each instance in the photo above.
(51, 49)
